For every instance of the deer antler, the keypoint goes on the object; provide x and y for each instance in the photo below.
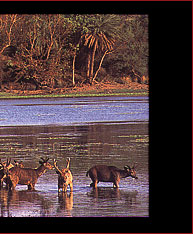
(1, 164)
(58, 170)
(44, 160)
(68, 163)
(8, 162)
(135, 166)
(5, 165)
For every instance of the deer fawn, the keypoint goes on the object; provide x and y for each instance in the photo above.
(64, 177)
(27, 176)
(112, 174)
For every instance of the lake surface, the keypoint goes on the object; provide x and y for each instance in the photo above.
(94, 130)
(71, 111)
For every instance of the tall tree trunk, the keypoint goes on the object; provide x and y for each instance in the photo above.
(99, 66)
(88, 66)
(92, 62)
(73, 69)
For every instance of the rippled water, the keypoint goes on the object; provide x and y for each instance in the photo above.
(67, 111)
(115, 140)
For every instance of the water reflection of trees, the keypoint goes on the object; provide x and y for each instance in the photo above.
(87, 145)
(96, 139)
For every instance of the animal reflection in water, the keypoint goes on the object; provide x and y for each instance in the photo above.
(21, 201)
(65, 201)
(106, 193)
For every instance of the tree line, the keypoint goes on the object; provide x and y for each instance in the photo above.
(62, 50)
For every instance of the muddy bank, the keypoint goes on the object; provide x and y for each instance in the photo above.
(98, 89)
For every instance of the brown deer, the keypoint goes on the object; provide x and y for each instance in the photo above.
(64, 177)
(27, 176)
(5, 166)
(112, 174)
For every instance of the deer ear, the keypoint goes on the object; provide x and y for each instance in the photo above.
(127, 167)
(1, 164)
(8, 162)
(42, 159)
(40, 162)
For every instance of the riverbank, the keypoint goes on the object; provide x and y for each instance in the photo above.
(98, 89)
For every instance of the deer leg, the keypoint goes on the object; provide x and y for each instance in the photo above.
(116, 183)
(64, 188)
(58, 187)
(8, 185)
(11, 186)
(95, 184)
(94, 178)
(71, 187)
(1, 183)
(31, 186)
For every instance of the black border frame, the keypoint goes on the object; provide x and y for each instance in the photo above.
(170, 160)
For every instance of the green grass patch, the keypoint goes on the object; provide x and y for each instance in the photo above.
(4, 95)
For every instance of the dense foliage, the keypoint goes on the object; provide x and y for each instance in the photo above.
(39, 51)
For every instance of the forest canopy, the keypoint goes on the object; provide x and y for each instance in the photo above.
(63, 50)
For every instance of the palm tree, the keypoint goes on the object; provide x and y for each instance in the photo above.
(96, 41)
(99, 33)
(100, 37)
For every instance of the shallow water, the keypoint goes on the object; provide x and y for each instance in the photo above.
(112, 142)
